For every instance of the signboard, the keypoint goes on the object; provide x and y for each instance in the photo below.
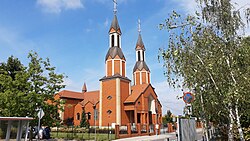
(40, 114)
(188, 97)
(186, 129)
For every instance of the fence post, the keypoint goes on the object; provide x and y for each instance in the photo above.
(147, 128)
(117, 131)
(159, 129)
(129, 129)
(139, 129)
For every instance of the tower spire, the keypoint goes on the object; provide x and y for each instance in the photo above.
(141, 72)
(115, 6)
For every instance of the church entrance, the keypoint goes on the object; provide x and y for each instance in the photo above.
(150, 117)
(138, 117)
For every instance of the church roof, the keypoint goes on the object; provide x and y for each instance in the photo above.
(70, 94)
(140, 65)
(115, 25)
(91, 96)
(137, 90)
(139, 44)
(114, 51)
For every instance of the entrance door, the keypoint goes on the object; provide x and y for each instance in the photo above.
(150, 117)
(138, 118)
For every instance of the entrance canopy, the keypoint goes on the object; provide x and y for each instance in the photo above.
(20, 122)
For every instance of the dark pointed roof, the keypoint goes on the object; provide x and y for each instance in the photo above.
(113, 51)
(84, 87)
(139, 44)
(140, 65)
(115, 25)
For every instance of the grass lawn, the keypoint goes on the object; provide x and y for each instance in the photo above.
(82, 136)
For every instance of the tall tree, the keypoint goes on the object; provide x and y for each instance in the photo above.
(84, 121)
(167, 118)
(207, 56)
(25, 89)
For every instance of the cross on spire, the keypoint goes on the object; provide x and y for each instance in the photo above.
(115, 6)
(139, 25)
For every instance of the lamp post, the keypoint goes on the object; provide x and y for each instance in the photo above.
(95, 117)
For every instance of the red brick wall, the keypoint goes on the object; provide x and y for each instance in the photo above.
(124, 94)
(78, 109)
(117, 66)
(123, 68)
(108, 89)
(89, 108)
(143, 77)
(109, 68)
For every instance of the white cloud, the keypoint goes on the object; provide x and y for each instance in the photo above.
(57, 6)
(190, 6)
(106, 23)
(168, 98)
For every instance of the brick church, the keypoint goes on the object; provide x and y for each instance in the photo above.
(118, 102)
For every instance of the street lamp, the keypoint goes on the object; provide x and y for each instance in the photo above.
(95, 117)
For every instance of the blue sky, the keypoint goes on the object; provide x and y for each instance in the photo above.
(73, 34)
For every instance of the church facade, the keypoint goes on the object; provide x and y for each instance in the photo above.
(117, 102)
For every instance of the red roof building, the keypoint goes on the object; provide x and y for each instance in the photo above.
(118, 102)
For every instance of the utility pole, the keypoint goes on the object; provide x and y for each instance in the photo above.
(95, 117)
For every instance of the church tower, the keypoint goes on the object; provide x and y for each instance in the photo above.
(141, 72)
(114, 86)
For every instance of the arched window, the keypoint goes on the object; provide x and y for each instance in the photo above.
(89, 115)
(139, 56)
(109, 97)
(112, 40)
(118, 41)
(109, 112)
(78, 116)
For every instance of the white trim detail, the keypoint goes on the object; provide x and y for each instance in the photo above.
(136, 55)
(141, 55)
(140, 77)
(100, 105)
(113, 67)
(106, 65)
(115, 39)
(144, 59)
(153, 104)
(110, 40)
(125, 69)
(121, 67)
(120, 37)
(134, 78)
(118, 102)
(129, 88)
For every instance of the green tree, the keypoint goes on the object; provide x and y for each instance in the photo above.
(84, 121)
(167, 118)
(208, 56)
(25, 89)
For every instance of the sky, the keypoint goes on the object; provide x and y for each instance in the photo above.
(73, 34)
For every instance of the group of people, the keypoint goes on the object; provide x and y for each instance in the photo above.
(43, 133)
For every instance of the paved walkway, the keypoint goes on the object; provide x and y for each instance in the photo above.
(162, 137)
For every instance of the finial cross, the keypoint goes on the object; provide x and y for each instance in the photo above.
(115, 6)
(139, 25)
